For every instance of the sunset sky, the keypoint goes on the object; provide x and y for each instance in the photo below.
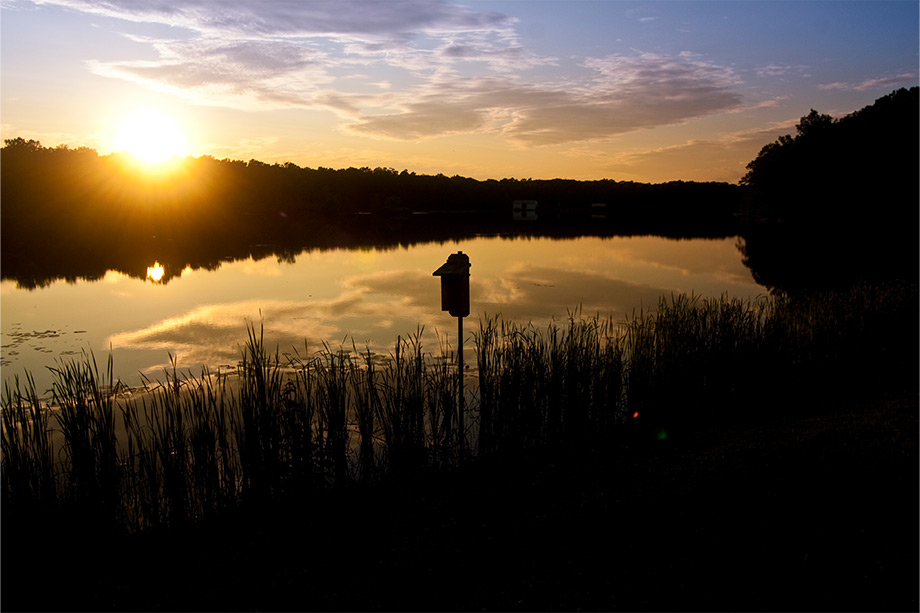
(643, 91)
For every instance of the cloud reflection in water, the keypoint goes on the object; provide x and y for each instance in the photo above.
(531, 280)
(340, 297)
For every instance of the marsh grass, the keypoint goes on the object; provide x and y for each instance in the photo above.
(84, 400)
(29, 479)
(186, 448)
(548, 388)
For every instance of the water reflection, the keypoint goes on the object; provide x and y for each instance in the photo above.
(363, 296)
(155, 272)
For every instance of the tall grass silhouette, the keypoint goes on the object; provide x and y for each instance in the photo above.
(186, 448)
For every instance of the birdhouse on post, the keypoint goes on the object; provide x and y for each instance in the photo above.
(455, 284)
(455, 298)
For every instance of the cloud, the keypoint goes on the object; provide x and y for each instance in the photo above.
(889, 81)
(782, 70)
(626, 93)
(269, 54)
(632, 92)
(504, 58)
(423, 120)
(395, 20)
(249, 73)
(449, 69)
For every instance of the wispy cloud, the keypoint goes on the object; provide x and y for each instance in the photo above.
(449, 69)
(278, 54)
(868, 84)
(782, 70)
(393, 20)
(241, 73)
(624, 93)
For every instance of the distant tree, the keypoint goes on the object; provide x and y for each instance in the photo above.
(20, 144)
(814, 124)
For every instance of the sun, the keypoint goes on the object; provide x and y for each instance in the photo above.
(150, 136)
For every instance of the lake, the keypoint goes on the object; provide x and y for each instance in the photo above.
(365, 296)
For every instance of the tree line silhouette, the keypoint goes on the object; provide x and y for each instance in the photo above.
(837, 202)
(71, 213)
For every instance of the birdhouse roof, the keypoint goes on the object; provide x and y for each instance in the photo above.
(456, 264)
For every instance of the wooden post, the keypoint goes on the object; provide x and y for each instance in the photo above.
(460, 398)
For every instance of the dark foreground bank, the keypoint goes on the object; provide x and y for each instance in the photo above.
(812, 512)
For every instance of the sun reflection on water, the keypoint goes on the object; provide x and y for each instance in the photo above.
(155, 272)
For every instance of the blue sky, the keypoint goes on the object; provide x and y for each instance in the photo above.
(644, 91)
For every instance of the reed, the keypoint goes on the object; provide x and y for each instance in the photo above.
(442, 409)
(187, 448)
(180, 461)
(259, 428)
(367, 407)
(332, 371)
(29, 477)
(694, 359)
(300, 402)
(402, 406)
(85, 403)
(552, 388)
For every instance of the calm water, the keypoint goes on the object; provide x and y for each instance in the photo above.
(368, 296)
